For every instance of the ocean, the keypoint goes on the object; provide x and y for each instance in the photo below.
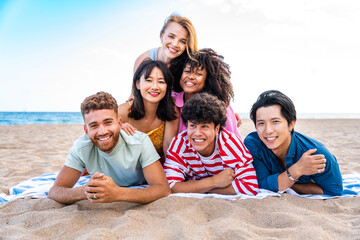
(24, 118)
(317, 115)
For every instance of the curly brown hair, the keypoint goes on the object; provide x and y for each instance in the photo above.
(218, 74)
(98, 101)
(204, 108)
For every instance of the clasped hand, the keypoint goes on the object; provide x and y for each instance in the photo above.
(224, 178)
(101, 188)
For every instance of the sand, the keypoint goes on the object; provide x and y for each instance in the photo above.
(32, 150)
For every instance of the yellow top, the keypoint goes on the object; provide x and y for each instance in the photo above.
(156, 136)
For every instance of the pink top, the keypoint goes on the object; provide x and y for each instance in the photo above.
(231, 123)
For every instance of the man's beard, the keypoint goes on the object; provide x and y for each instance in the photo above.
(109, 145)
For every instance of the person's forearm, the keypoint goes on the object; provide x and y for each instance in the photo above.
(229, 190)
(284, 182)
(145, 195)
(194, 186)
(307, 188)
(67, 195)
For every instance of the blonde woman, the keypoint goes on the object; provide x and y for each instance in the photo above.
(178, 42)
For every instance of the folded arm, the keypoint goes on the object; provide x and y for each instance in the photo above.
(220, 183)
(106, 189)
(62, 191)
(158, 186)
(308, 164)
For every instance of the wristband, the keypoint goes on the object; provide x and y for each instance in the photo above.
(289, 175)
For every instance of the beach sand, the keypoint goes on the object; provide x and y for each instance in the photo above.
(32, 150)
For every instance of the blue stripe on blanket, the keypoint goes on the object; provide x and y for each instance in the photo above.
(351, 184)
(38, 187)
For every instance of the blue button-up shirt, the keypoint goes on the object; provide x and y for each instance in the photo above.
(268, 168)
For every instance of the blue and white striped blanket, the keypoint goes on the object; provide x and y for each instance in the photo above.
(38, 187)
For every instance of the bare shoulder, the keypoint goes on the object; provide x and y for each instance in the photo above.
(123, 111)
(174, 122)
(141, 58)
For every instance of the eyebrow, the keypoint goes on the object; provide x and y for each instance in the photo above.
(154, 77)
(177, 35)
(92, 123)
(106, 119)
(274, 118)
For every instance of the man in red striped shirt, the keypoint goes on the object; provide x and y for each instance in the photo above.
(206, 158)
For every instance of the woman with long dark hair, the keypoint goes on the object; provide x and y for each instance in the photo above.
(152, 109)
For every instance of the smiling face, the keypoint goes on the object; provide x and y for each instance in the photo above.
(274, 130)
(103, 128)
(202, 137)
(192, 81)
(153, 88)
(173, 40)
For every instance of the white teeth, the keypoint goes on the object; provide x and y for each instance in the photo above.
(270, 139)
(199, 140)
(154, 93)
(189, 84)
(104, 139)
(172, 50)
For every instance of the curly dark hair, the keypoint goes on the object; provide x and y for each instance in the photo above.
(166, 109)
(204, 108)
(218, 74)
(99, 101)
(177, 66)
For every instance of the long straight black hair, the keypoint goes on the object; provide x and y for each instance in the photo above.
(166, 109)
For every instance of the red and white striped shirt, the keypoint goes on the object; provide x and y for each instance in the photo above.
(183, 162)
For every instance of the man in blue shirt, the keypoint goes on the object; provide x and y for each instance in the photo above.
(284, 158)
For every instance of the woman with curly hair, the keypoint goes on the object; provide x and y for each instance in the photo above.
(207, 72)
(152, 109)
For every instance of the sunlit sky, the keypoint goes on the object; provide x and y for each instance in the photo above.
(53, 54)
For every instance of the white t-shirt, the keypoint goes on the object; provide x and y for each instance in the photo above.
(125, 162)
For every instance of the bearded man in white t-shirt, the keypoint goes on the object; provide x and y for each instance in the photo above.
(114, 159)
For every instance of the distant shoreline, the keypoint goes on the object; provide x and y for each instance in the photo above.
(43, 118)
(317, 115)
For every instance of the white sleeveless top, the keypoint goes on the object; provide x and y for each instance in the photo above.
(153, 54)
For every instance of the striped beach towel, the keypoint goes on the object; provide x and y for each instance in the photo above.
(38, 187)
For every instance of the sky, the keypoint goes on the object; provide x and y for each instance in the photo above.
(53, 54)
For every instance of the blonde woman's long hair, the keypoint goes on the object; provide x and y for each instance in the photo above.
(191, 41)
